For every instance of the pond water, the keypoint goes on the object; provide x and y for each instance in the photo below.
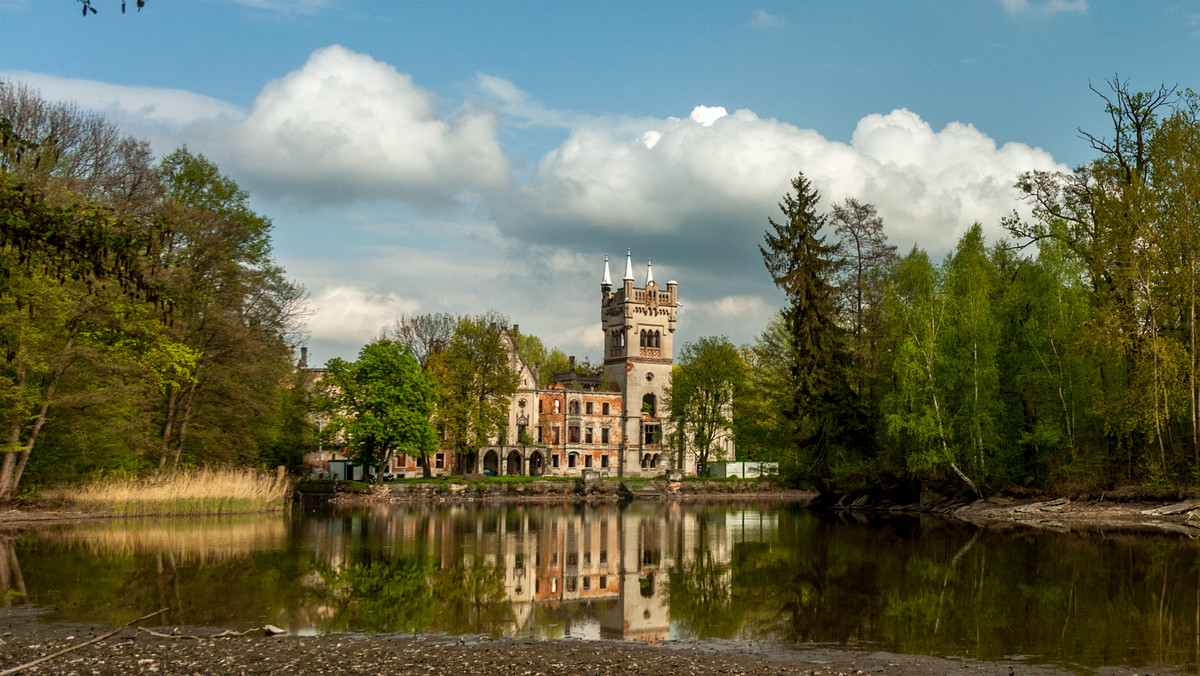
(647, 572)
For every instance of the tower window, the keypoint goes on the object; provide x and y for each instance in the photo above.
(648, 405)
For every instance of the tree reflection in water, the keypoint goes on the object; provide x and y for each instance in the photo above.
(647, 572)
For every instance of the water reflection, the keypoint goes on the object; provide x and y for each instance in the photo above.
(646, 572)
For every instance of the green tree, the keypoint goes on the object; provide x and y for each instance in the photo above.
(765, 428)
(916, 413)
(477, 378)
(708, 377)
(804, 266)
(381, 404)
(971, 341)
(234, 306)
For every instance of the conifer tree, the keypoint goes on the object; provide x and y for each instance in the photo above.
(803, 265)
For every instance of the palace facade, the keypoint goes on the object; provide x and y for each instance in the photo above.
(614, 423)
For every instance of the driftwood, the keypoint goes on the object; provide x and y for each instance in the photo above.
(64, 651)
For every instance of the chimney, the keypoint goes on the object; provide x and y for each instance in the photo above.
(572, 367)
(303, 358)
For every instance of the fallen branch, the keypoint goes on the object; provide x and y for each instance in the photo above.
(64, 651)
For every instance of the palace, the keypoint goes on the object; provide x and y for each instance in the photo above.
(615, 423)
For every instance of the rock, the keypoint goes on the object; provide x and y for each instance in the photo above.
(272, 630)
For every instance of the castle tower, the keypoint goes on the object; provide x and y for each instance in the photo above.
(639, 328)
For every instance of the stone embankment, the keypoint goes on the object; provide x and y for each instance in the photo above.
(582, 490)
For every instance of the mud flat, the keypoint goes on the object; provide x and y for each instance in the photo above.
(200, 651)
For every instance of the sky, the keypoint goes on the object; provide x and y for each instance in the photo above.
(458, 157)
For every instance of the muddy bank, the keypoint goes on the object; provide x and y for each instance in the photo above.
(199, 651)
(439, 492)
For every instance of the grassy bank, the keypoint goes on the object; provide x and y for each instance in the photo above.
(184, 493)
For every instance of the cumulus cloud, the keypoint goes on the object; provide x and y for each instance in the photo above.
(347, 127)
(712, 179)
(354, 314)
(1045, 6)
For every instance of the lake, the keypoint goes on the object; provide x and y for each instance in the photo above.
(652, 572)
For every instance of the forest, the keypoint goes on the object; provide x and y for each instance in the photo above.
(143, 321)
(1062, 356)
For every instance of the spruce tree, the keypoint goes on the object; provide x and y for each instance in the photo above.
(803, 266)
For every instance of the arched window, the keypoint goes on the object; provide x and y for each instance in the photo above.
(648, 405)
(657, 339)
(573, 407)
(642, 339)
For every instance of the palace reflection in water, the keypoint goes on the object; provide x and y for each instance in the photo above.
(593, 571)
(646, 572)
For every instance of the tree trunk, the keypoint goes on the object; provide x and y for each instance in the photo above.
(168, 426)
(184, 419)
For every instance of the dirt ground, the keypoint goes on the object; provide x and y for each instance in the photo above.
(200, 651)
(166, 650)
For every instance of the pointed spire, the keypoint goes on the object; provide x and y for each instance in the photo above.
(649, 272)
(628, 265)
(607, 280)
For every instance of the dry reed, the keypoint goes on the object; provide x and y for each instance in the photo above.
(183, 493)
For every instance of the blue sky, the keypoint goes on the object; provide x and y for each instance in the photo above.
(456, 157)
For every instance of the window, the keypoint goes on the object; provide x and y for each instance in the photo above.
(604, 408)
(587, 408)
(587, 461)
(649, 403)
(556, 407)
(573, 434)
(604, 582)
(572, 459)
(587, 435)
(573, 408)
(657, 339)
(557, 435)
(604, 460)
(604, 435)
(587, 583)
(571, 583)
(653, 433)
(554, 461)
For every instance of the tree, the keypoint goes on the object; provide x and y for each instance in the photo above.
(917, 413)
(477, 377)
(803, 266)
(866, 261)
(425, 335)
(381, 404)
(708, 377)
(971, 341)
(234, 306)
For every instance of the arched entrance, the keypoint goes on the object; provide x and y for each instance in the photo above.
(514, 464)
(537, 464)
(491, 461)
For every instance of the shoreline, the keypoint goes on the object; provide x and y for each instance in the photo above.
(1057, 514)
(186, 650)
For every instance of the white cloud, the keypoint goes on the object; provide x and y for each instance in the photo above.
(764, 19)
(736, 307)
(347, 127)
(715, 177)
(173, 108)
(286, 6)
(354, 314)
(1045, 6)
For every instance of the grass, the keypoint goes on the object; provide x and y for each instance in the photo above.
(184, 493)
